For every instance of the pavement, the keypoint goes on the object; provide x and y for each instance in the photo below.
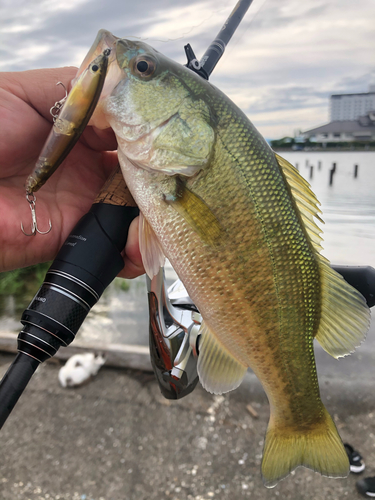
(117, 438)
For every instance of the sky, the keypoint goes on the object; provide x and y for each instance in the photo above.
(281, 66)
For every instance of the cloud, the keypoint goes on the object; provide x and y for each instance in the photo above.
(280, 67)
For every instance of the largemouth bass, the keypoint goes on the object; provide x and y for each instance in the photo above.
(238, 224)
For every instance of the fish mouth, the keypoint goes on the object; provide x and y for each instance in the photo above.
(104, 40)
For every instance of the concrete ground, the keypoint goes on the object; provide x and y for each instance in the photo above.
(117, 438)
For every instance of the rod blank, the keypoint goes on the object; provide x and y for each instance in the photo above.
(14, 382)
(214, 52)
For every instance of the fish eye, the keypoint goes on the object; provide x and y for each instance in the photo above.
(95, 68)
(144, 66)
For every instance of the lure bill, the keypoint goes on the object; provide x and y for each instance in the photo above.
(71, 121)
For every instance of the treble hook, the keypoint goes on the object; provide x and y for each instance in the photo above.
(31, 198)
(56, 108)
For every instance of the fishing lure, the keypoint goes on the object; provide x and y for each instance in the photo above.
(71, 116)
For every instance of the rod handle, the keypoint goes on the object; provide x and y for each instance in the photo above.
(115, 191)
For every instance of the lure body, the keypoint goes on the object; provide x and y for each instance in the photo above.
(70, 123)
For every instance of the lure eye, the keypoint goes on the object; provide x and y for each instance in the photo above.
(144, 66)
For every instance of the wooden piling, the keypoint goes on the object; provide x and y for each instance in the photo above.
(355, 171)
(319, 165)
(311, 171)
(331, 174)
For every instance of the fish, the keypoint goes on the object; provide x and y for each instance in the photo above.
(241, 228)
(71, 121)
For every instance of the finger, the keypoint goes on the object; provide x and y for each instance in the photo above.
(133, 259)
(99, 140)
(38, 87)
(131, 271)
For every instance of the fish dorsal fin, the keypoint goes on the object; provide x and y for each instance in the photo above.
(197, 214)
(218, 370)
(345, 317)
(152, 254)
(305, 199)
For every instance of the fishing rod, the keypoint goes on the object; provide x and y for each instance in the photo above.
(88, 261)
(213, 54)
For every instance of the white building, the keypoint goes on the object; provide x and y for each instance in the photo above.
(352, 106)
(362, 130)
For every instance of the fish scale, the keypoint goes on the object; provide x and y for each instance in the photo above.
(237, 223)
(251, 158)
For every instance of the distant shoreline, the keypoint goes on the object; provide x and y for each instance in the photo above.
(326, 150)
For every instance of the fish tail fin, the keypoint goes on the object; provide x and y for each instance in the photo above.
(318, 448)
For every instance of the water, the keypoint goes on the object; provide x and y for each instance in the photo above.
(349, 238)
(348, 205)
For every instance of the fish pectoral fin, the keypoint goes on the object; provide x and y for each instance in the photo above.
(218, 370)
(197, 214)
(345, 317)
(152, 254)
(318, 448)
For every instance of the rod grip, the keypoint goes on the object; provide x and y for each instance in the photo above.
(115, 191)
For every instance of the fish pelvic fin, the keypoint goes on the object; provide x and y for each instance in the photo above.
(152, 254)
(319, 448)
(345, 317)
(218, 370)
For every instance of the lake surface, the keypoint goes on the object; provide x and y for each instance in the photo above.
(348, 205)
(349, 238)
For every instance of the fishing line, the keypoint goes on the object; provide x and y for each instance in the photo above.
(194, 26)
(256, 8)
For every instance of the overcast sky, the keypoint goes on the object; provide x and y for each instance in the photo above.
(283, 63)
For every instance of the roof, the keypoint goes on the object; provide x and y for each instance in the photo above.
(336, 96)
(345, 126)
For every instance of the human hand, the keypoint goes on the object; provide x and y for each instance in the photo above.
(25, 102)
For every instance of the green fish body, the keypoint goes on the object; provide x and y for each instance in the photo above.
(237, 223)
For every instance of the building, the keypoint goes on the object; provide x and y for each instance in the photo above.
(361, 130)
(352, 120)
(352, 106)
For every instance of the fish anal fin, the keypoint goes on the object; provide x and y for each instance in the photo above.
(218, 370)
(152, 254)
(345, 316)
(197, 214)
(319, 448)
